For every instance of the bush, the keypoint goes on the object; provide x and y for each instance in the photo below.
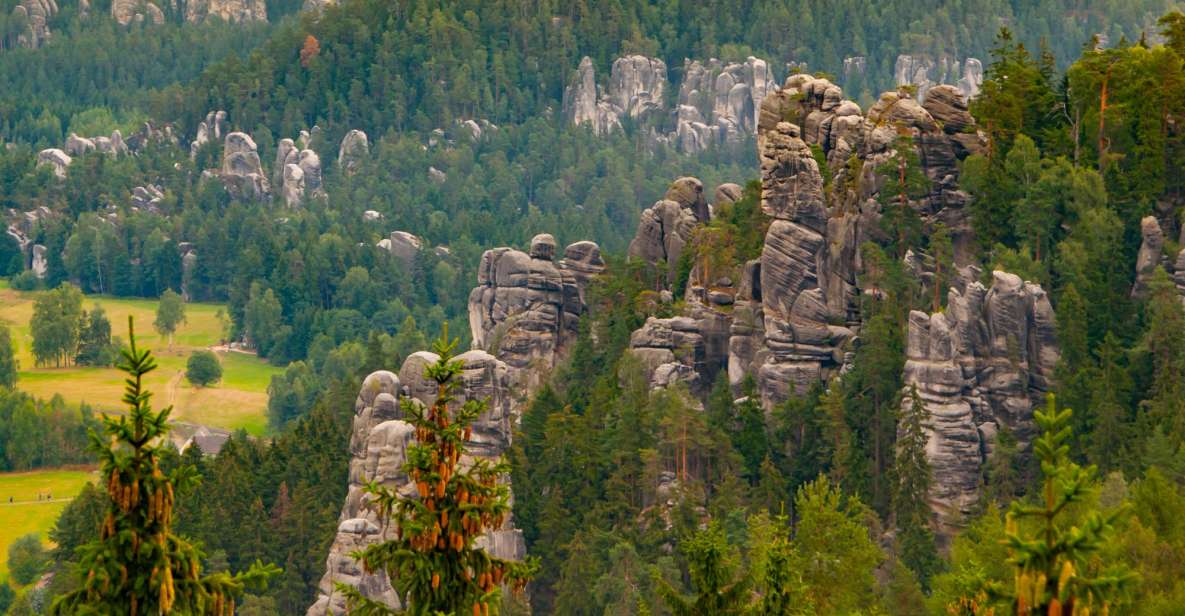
(27, 559)
(25, 281)
(203, 369)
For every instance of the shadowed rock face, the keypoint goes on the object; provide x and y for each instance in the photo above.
(925, 74)
(378, 450)
(636, 88)
(982, 365)
(1151, 254)
(718, 102)
(666, 227)
(35, 14)
(526, 307)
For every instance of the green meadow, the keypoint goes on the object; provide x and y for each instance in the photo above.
(29, 511)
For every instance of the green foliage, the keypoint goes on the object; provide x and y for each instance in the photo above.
(27, 559)
(170, 314)
(137, 562)
(94, 345)
(911, 506)
(203, 369)
(433, 562)
(55, 325)
(8, 363)
(833, 551)
(719, 591)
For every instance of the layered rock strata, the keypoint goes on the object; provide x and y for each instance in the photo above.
(636, 88)
(526, 308)
(924, 73)
(983, 364)
(665, 228)
(378, 450)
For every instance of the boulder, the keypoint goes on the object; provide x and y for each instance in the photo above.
(125, 12)
(354, 151)
(58, 160)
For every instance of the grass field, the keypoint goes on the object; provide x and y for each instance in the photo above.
(26, 514)
(239, 401)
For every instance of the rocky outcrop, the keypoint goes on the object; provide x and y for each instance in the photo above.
(981, 365)
(296, 172)
(636, 88)
(241, 172)
(924, 73)
(210, 129)
(666, 227)
(56, 159)
(354, 151)
(526, 308)
(39, 264)
(136, 11)
(718, 102)
(230, 11)
(378, 450)
(113, 145)
(147, 198)
(35, 15)
(404, 246)
(1151, 254)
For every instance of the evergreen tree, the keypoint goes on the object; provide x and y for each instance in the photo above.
(138, 565)
(433, 562)
(94, 346)
(944, 264)
(911, 500)
(720, 589)
(1054, 560)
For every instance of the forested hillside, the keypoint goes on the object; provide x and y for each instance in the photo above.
(801, 367)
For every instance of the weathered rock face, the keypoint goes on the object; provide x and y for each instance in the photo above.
(35, 14)
(354, 151)
(925, 73)
(1151, 254)
(404, 246)
(296, 172)
(230, 11)
(58, 160)
(666, 227)
(718, 102)
(211, 129)
(526, 308)
(636, 88)
(378, 448)
(982, 365)
(136, 11)
(241, 171)
(39, 264)
(147, 198)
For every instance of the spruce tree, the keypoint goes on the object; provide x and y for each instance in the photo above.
(1054, 569)
(911, 500)
(719, 589)
(138, 565)
(432, 562)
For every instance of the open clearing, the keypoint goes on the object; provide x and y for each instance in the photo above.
(26, 514)
(239, 401)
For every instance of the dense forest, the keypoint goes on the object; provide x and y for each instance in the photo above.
(633, 498)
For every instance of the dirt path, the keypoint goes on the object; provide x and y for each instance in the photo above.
(173, 386)
(35, 502)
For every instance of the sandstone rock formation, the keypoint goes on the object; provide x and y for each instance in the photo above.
(404, 246)
(58, 160)
(210, 129)
(230, 11)
(241, 171)
(526, 308)
(35, 15)
(354, 150)
(981, 365)
(147, 198)
(666, 227)
(378, 449)
(718, 103)
(39, 263)
(138, 11)
(636, 89)
(296, 172)
(918, 70)
(1151, 254)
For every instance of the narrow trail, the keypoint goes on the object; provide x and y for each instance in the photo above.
(35, 502)
(172, 387)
